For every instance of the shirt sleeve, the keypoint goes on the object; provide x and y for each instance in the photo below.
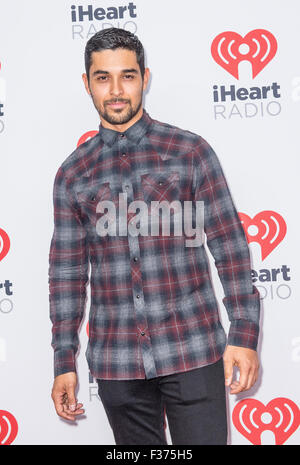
(68, 275)
(227, 242)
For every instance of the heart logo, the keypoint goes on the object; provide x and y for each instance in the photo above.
(270, 230)
(86, 136)
(8, 428)
(283, 418)
(4, 244)
(258, 47)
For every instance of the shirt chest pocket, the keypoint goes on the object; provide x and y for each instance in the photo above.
(89, 200)
(161, 186)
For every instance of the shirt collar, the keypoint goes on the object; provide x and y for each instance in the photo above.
(134, 132)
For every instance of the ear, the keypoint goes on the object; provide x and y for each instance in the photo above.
(146, 78)
(86, 84)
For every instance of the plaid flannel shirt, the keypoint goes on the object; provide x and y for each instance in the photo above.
(153, 309)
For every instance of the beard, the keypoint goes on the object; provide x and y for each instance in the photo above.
(118, 115)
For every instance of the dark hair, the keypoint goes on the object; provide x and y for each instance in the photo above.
(110, 39)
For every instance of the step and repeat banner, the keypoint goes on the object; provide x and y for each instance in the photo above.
(226, 70)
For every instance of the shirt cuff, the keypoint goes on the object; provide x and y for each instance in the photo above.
(243, 333)
(64, 361)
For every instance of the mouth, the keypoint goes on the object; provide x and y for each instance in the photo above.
(117, 104)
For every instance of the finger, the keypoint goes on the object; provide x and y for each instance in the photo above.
(79, 407)
(253, 375)
(78, 410)
(234, 387)
(242, 383)
(66, 404)
(73, 414)
(252, 379)
(228, 372)
(71, 402)
(67, 416)
(59, 407)
(67, 409)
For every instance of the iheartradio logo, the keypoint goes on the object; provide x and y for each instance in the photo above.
(258, 47)
(251, 418)
(267, 228)
(86, 136)
(8, 428)
(4, 244)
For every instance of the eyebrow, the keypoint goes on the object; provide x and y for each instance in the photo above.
(101, 71)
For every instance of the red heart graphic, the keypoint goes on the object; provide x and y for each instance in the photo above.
(4, 244)
(271, 229)
(8, 428)
(285, 419)
(86, 136)
(226, 51)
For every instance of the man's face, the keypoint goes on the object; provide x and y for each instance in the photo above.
(116, 87)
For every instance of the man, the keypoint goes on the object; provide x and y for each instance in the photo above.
(156, 344)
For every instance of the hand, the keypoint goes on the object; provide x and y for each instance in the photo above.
(247, 362)
(63, 396)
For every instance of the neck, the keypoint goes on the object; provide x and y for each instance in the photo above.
(122, 127)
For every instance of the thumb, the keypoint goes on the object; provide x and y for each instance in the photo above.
(71, 397)
(228, 371)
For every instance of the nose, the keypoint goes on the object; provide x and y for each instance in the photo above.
(116, 87)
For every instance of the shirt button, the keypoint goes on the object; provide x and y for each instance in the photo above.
(135, 259)
(122, 135)
(138, 296)
(123, 154)
(127, 187)
(160, 183)
(142, 333)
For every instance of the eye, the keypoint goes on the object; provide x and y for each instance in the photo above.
(129, 76)
(101, 78)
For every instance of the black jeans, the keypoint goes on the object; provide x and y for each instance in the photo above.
(194, 402)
